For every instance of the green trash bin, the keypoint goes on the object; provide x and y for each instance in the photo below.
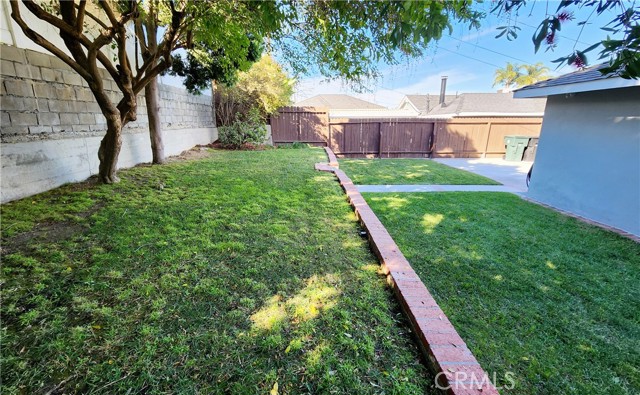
(515, 147)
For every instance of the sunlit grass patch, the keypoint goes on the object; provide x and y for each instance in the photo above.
(244, 270)
(533, 292)
(408, 171)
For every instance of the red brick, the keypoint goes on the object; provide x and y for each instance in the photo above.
(404, 285)
(452, 354)
(405, 275)
(437, 339)
(435, 326)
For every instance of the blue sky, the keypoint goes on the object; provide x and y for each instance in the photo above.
(470, 58)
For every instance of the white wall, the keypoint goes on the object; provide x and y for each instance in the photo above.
(32, 167)
(588, 159)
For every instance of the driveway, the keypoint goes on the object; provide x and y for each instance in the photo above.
(510, 174)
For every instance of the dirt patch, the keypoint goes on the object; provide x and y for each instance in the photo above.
(47, 232)
(197, 152)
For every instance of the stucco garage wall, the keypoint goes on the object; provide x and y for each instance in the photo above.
(588, 159)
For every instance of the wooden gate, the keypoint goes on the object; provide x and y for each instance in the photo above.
(308, 125)
(385, 138)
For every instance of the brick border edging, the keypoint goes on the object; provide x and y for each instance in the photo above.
(454, 365)
(333, 161)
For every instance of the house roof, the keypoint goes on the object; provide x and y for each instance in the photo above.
(488, 104)
(338, 102)
(371, 113)
(588, 79)
(424, 103)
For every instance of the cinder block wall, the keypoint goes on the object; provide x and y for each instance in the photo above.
(42, 100)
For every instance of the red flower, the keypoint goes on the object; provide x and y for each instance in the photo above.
(565, 16)
(551, 38)
(578, 62)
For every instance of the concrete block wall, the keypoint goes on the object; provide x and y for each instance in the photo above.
(43, 100)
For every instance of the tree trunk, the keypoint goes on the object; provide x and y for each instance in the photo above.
(110, 149)
(213, 102)
(152, 97)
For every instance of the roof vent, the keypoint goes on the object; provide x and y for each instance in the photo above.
(443, 90)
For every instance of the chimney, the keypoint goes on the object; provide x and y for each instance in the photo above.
(443, 89)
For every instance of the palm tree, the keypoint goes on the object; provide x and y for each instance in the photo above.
(515, 75)
(532, 74)
(507, 76)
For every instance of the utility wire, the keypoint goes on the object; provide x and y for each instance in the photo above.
(487, 49)
(468, 57)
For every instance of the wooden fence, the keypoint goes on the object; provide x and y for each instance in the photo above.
(300, 124)
(392, 138)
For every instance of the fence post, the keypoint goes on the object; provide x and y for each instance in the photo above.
(434, 137)
(486, 143)
(379, 140)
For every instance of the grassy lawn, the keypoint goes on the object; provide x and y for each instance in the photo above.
(551, 299)
(237, 273)
(408, 171)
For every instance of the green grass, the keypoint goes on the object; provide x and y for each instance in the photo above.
(408, 172)
(533, 292)
(223, 275)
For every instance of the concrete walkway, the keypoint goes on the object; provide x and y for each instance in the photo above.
(437, 188)
(512, 176)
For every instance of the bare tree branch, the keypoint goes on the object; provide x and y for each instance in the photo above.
(95, 19)
(81, 11)
(109, 12)
(44, 43)
(141, 83)
(47, 17)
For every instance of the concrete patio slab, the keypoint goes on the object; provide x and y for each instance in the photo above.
(510, 174)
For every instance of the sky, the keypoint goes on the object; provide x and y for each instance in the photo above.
(469, 58)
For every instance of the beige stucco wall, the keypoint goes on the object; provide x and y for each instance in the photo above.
(588, 159)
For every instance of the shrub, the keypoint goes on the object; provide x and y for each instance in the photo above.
(247, 129)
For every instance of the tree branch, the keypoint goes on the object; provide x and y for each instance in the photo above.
(140, 34)
(95, 19)
(80, 16)
(148, 76)
(44, 43)
(109, 12)
(45, 16)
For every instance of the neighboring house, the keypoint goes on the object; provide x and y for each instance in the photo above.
(422, 104)
(486, 105)
(338, 102)
(588, 160)
(345, 106)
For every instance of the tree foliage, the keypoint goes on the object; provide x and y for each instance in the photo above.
(201, 66)
(338, 38)
(515, 75)
(265, 87)
(622, 54)
(269, 82)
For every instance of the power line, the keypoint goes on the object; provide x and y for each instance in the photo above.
(468, 57)
(559, 35)
(487, 49)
